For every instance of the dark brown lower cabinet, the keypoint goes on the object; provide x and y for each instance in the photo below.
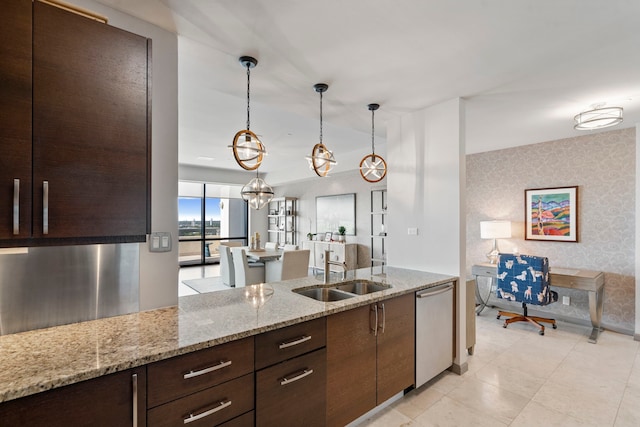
(370, 357)
(112, 400)
(292, 393)
(210, 407)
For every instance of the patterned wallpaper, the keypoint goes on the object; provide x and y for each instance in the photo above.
(603, 166)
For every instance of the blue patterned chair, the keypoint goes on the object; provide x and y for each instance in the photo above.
(525, 279)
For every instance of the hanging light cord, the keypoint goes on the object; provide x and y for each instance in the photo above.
(320, 117)
(373, 144)
(248, 92)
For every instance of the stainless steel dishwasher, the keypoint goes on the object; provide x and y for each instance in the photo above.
(434, 331)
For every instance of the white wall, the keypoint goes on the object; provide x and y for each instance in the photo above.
(340, 183)
(426, 190)
(158, 271)
(637, 246)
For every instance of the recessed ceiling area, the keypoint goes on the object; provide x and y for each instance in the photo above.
(524, 69)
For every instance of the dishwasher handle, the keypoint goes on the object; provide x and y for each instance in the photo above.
(435, 291)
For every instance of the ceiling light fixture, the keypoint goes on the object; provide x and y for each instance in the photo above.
(257, 193)
(247, 148)
(598, 117)
(321, 160)
(373, 168)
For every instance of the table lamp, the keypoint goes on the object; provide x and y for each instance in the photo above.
(495, 230)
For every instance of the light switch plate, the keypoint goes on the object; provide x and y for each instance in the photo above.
(160, 241)
(566, 300)
(412, 231)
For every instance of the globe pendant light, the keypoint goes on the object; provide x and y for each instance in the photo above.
(373, 168)
(321, 160)
(257, 193)
(247, 148)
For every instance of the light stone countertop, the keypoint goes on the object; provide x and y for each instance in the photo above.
(43, 359)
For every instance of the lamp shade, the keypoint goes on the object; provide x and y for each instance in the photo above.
(495, 229)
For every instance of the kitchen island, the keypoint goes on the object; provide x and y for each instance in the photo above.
(40, 360)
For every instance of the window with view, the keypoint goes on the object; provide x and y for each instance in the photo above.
(207, 215)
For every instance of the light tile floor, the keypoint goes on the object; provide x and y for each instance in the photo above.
(195, 272)
(519, 378)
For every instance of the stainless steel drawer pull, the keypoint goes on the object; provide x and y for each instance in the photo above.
(222, 364)
(304, 373)
(221, 405)
(300, 340)
(16, 206)
(435, 291)
(384, 317)
(134, 385)
(45, 207)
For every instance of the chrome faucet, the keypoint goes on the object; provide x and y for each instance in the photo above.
(327, 263)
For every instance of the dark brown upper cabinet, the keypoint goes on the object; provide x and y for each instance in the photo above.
(83, 160)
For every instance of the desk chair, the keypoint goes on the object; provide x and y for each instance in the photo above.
(525, 279)
(246, 273)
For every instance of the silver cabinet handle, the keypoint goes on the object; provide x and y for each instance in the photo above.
(221, 405)
(45, 207)
(374, 329)
(222, 364)
(434, 291)
(134, 385)
(304, 373)
(16, 206)
(302, 339)
(384, 317)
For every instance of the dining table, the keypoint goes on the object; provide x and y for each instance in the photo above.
(262, 255)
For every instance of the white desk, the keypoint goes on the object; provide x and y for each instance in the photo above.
(583, 280)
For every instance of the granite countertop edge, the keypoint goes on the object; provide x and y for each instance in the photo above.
(36, 361)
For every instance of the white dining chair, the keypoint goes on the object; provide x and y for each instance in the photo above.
(291, 265)
(246, 273)
(226, 266)
(271, 246)
(290, 247)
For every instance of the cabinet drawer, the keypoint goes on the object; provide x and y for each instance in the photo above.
(176, 377)
(246, 420)
(293, 392)
(282, 344)
(208, 407)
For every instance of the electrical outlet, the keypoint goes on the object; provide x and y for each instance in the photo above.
(412, 231)
(566, 300)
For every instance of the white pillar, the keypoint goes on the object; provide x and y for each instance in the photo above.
(426, 195)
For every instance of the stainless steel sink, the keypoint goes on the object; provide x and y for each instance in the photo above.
(362, 287)
(342, 290)
(323, 294)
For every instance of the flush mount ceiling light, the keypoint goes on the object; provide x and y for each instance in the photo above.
(373, 168)
(598, 117)
(257, 193)
(247, 148)
(321, 160)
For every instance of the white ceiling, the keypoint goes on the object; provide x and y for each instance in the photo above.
(525, 68)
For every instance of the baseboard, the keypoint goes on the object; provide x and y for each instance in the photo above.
(636, 337)
(459, 369)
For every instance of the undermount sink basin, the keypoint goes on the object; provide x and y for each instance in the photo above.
(323, 294)
(342, 290)
(362, 287)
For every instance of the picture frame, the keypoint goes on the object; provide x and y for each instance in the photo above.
(335, 211)
(551, 214)
(327, 236)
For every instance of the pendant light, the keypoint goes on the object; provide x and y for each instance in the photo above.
(257, 193)
(321, 160)
(247, 148)
(373, 168)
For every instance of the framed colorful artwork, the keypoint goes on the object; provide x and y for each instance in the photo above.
(551, 214)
